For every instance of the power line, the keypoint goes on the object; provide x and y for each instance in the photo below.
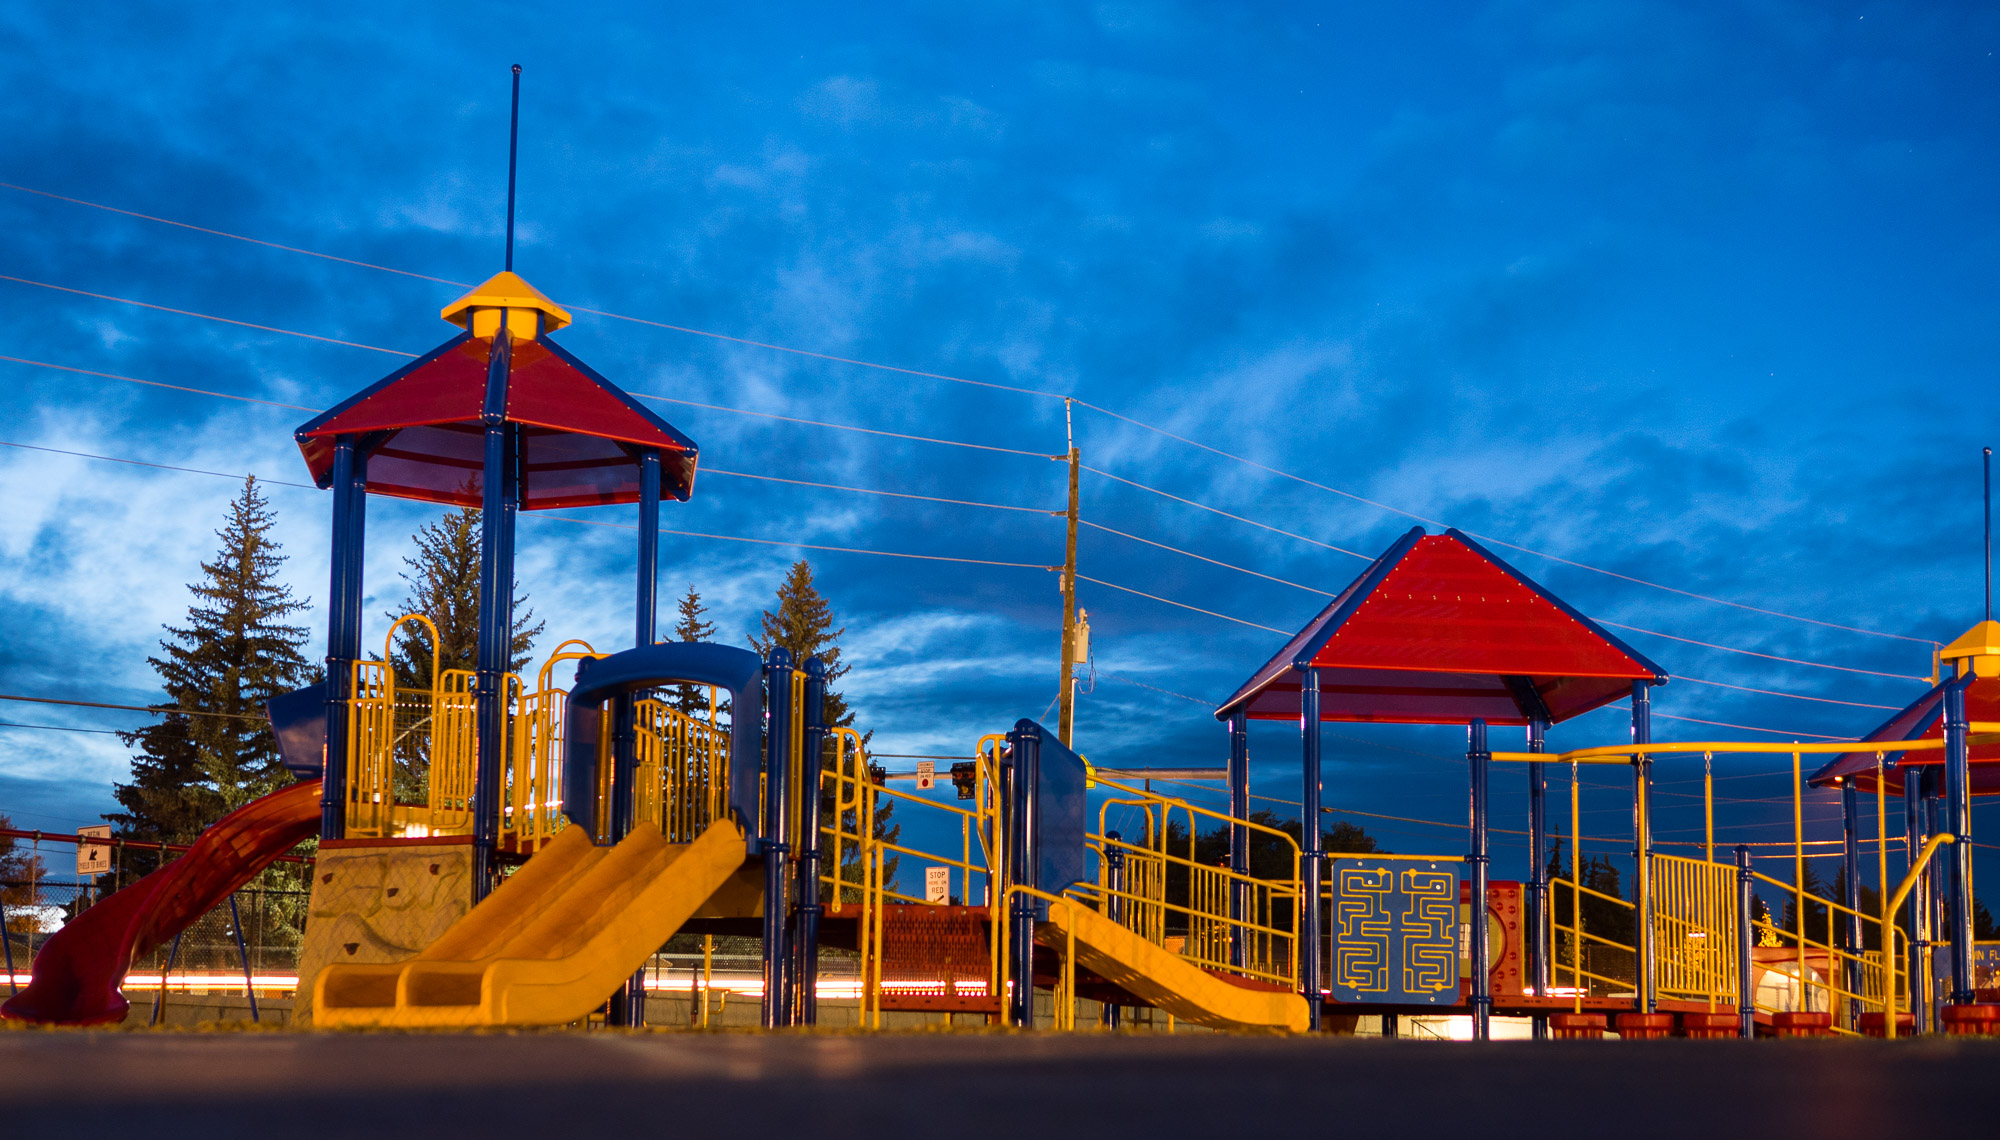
(873, 491)
(850, 427)
(60, 728)
(156, 383)
(156, 466)
(205, 316)
(1223, 513)
(936, 376)
(564, 518)
(123, 708)
(1793, 696)
(1498, 542)
(1171, 602)
(1204, 558)
(1754, 653)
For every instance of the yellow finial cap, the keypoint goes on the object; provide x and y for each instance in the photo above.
(506, 292)
(1978, 647)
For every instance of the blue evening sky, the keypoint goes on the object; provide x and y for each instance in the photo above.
(1699, 294)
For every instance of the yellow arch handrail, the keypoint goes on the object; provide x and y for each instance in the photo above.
(558, 657)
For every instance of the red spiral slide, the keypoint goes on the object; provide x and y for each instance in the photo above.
(81, 967)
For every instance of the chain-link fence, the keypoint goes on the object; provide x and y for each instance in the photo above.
(257, 931)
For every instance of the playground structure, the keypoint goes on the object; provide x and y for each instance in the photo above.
(492, 853)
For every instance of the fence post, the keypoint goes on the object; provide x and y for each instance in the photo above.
(1746, 937)
(160, 999)
(7, 941)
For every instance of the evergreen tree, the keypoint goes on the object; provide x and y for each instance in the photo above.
(442, 581)
(235, 652)
(20, 873)
(803, 625)
(692, 700)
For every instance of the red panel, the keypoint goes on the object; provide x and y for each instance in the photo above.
(545, 391)
(1982, 703)
(449, 389)
(1445, 609)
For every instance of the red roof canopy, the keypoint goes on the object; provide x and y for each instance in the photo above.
(1438, 631)
(1922, 719)
(580, 441)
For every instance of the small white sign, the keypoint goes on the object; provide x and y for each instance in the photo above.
(93, 858)
(937, 884)
(926, 775)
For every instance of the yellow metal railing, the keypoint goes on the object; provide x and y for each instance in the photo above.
(1205, 891)
(683, 771)
(1694, 930)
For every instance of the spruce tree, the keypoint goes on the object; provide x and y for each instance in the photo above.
(442, 581)
(20, 873)
(804, 625)
(234, 653)
(692, 625)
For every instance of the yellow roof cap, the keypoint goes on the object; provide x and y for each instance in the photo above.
(505, 290)
(1982, 640)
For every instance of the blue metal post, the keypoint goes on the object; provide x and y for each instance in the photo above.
(343, 624)
(1239, 836)
(243, 956)
(1022, 857)
(777, 785)
(1313, 857)
(499, 499)
(1958, 821)
(1114, 906)
(1850, 821)
(1538, 874)
(1915, 833)
(1642, 840)
(806, 976)
(1746, 937)
(1480, 760)
(629, 1007)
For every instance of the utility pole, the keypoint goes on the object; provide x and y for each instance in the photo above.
(1066, 718)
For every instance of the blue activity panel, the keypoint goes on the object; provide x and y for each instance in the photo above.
(1395, 932)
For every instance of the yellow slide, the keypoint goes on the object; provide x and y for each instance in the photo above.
(550, 943)
(1167, 980)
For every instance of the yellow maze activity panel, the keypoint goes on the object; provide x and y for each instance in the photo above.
(1395, 932)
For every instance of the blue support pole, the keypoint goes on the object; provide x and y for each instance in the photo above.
(1746, 937)
(1538, 874)
(806, 975)
(1114, 908)
(1480, 760)
(343, 624)
(1850, 822)
(629, 1007)
(1239, 836)
(1958, 821)
(1313, 857)
(1025, 742)
(775, 848)
(243, 956)
(1642, 841)
(1915, 834)
(499, 499)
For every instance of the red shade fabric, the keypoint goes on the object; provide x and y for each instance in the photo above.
(580, 439)
(1438, 630)
(1921, 719)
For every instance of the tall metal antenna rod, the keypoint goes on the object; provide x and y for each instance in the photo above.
(513, 149)
(1986, 456)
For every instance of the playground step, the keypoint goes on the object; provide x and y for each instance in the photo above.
(1977, 1020)
(1710, 1026)
(1906, 1024)
(1802, 1023)
(1645, 1026)
(1576, 1026)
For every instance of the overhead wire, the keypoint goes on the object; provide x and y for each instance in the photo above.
(857, 362)
(205, 316)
